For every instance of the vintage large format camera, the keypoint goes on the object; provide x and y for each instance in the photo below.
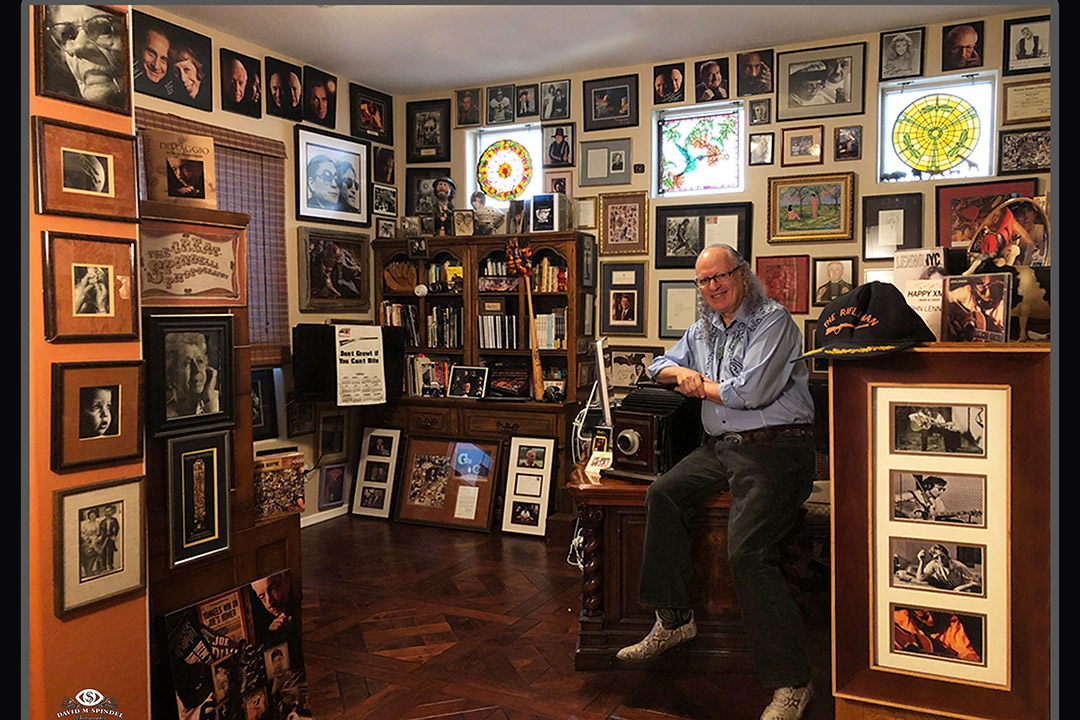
(654, 428)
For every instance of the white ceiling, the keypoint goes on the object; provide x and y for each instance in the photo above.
(418, 49)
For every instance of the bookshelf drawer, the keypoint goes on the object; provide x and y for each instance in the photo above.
(438, 420)
(510, 424)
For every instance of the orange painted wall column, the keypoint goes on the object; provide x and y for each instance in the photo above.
(103, 647)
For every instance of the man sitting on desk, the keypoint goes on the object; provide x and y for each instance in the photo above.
(760, 448)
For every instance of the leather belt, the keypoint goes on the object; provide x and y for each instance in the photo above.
(777, 432)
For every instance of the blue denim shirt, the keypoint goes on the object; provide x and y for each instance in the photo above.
(751, 361)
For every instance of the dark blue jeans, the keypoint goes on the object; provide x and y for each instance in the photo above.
(769, 481)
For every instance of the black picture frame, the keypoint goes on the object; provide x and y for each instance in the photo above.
(241, 83)
(588, 255)
(527, 100)
(320, 97)
(894, 64)
(284, 89)
(554, 100)
(804, 90)
(755, 72)
(471, 113)
(619, 280)
(192, 84)
(904, 215)
(427, 124)
(559, 156)
(384, 200)
(847, 142)
(669, 83)
(264, 424)
(199, 484)
(499, 108)
(317, 153)
(1024, 151)
(382, 165)
(703, 91)
(759, 111)
(169, 341)
(700, 221)
(371, 114)
(761, 149)
(610, 102)
(467, 381)
(58, 70)
(97, 414)
(1019, 58)
(420, 190)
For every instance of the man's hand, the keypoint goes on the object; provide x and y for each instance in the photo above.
(689, 382)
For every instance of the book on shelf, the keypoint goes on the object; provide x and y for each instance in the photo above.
(551, 330)
(402, 315)
(444, 326)
(498, 332)
(427, 375)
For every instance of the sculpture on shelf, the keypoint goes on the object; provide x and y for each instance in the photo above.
(444, 190)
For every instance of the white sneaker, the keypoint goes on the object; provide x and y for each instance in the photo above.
(658, 640)
(788, 703)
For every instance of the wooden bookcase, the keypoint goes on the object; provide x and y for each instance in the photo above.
(573, 362)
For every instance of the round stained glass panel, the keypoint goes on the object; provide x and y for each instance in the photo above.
(505, 170)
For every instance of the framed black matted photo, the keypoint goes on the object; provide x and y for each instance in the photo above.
(98, 540)
(902, 53)
(320, 97)
(241, 84)
(891, 223)
(683, 231)
(199, 483)
(91, 292)
(622, 298)
(334, 272)
(821, 82)
(605, 162)
(333, 178)
(761, 148)
(500, 104)
(371, 114)
(555, 100)
(96, 414)
(284, 93)
(1024, 151)
(469, 103)
(190, 361)
(427, 127)
(420, 189)
(84, 171)
(172, 62)
(610, 102)
(83, 56)
(1027, 45)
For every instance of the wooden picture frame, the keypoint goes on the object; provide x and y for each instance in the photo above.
(190, 50)
(97, 414)
(1024, 151)
(62, 73)
(847, 142)
(1026, 46)
(554, 100)
(817, 366)
(610, 103)
(683, 231)
(187, 264)
(449, 483)
(83, 171)
(801, 91)
(802, 145)
(325, 162)
(811, 207)
(961, 209)
(891, 223)
(678, 307)
(331, 434)
(427, 123)
(99, 536)
(623, 303)
(832, 277)
(199, 496)
(528, 485)
(786, 279)
(1025, 102)
(624, 223)
(264, 404)
(376, 472)
(605, 162)
(371, 114)
(902, 53)
(190, 372)
(91, 290)
(320, 97)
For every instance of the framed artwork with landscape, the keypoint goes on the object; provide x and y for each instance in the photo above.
(811, 207)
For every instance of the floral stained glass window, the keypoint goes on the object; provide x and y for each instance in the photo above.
(700, 150)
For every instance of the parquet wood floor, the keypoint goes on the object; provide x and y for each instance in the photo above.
(403, 622)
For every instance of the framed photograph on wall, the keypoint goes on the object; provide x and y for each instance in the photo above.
(376, 472)
(241, 84)
(91, 290)
(761, 149)
(786, 279)
(711, 80)
(629, 362)
(610, 102)
(420, 189)
(190, 372)
(427, 127)
(891, 223)
(669, 83)
(554, 100)
(755, 72)
(678, 307)
(284, 91)
(558, 143)
(83, 171)
(759, 111)
(605, 162)
(1024, 151)
(802, 145)
(264, 404)
(902, 54)
(821, 82)
(622, 298)
(560, 181)
(526, 100)
(199, 484)
(811, 207)
(332, 434)
(624, 223)
(333, 178)
(847, 142)
(448, 483)
(371, 114)
(65, 71)
(171, 62)
(500, 104)
(384, 200)
(962, 46)
(1027, 45)
(833, 276)
(98, 540)
(818, 366)
(528, 484)
(469, 104)
(320, 97)
(97, 414)
(683, 231)
(383, 166)
(961, 209)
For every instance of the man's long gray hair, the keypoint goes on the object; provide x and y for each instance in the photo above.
(753, 296)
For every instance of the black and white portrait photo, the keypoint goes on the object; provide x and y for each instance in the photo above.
(191, 374)
(929, 497)
(555, 100)
(101, 544)
(87, 173)
(92, 292)
(84, 56)
(500, 104)
(902, 53)
(820, 82)
(683, 237)
(320, 97)
(1027, 45)
(241, 84)
(333, 179)
(98, 415)
(946, 429)
(171, 62)
(384, 199)
(945, 566)
(760, 111)
(669, 83)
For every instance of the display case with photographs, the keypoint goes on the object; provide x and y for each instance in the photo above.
(449, 483)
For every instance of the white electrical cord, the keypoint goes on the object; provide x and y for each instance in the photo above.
(576, 556)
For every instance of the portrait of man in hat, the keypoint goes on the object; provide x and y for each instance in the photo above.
(559, 146)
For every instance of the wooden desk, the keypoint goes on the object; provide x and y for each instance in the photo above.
(612, 518)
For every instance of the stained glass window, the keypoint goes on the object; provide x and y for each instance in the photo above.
(526, 136)
(700, 150)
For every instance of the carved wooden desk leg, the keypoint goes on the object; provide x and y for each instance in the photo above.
(591, 652)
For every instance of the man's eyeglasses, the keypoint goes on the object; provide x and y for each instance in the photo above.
(717, 278)
(328, 177)
(99, 27)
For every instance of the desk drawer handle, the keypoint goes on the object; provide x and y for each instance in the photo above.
(427, 421)
(507, 427)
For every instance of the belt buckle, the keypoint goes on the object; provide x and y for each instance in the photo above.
(732, 438)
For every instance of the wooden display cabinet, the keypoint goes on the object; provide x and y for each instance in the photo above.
(449, 323)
